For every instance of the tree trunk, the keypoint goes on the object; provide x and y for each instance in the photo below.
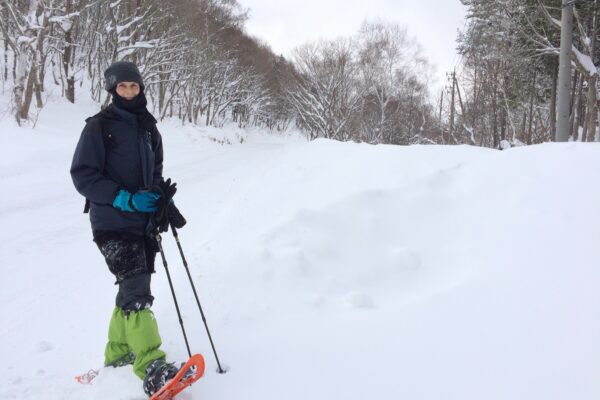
(524, 126)
(503, 123)
(28, 95)
(41, 56)
(592, 112)
(577, 79)
(4, 16)
(495, 141)
(579, 111)
(530, 128)
(20, 69)
(67, 58)
(5, 60)
(208, 106)
(161, 91)
(553, 99)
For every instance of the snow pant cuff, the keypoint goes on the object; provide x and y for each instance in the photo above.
(134, 293)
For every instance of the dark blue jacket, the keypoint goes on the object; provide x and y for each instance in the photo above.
(130, 159)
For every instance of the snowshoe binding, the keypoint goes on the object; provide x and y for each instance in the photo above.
(162, 384)
(158, 373)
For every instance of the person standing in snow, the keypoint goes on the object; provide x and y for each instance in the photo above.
(117, 167)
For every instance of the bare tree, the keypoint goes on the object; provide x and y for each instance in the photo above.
(325, 95)
(393, 75)
(25, 33)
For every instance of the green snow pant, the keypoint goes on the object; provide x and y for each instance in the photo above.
(137, 333)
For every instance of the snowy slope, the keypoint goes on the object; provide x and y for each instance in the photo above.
(327, 270)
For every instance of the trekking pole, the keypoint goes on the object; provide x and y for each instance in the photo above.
(162, 254)
(185, 264)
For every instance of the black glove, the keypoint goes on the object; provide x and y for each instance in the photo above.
(167, 189)
(175, 217)
(167, 212)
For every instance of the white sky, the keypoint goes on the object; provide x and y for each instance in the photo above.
(285, 24)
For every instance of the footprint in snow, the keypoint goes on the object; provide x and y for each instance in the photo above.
(43, 347)
(360, 300)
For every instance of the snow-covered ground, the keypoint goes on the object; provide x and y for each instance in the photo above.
(326, 270)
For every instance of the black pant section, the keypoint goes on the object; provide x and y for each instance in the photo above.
(130, 258)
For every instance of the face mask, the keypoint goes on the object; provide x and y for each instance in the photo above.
(136, 105)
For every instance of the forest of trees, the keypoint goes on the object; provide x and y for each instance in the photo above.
(509, 52)
(197, 63)
(201, 67)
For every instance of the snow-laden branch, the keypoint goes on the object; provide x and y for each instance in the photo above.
(64, 21)
(121, 28)
(584, 62)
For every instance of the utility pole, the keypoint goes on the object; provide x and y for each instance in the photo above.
(460, 102)
(441, 106)
(441, 103)
(452, 103)
(564, 72)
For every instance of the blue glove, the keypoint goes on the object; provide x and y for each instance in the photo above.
(142, 201)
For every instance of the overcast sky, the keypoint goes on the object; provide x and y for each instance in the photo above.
(285, 24)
